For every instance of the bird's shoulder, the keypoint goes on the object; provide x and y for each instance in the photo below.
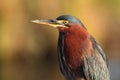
(95, 66)
(98, 48)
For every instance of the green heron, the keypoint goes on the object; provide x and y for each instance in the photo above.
(80, 55)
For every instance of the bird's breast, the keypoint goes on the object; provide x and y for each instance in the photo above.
(74, 48)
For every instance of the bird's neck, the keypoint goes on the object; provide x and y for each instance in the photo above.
(76, 41)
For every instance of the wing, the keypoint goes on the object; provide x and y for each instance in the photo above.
(99, 49)
(95, 65)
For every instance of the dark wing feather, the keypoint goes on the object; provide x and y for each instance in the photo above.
(63, 66)
(99, 49)
(94, 66)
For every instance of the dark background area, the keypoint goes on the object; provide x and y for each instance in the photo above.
(28, 50)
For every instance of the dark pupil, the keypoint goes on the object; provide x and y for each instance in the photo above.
(65, 22)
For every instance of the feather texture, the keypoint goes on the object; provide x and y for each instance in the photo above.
(92, 64)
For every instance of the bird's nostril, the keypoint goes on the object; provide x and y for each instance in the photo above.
(53, 20)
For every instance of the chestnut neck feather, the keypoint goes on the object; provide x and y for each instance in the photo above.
(76, 40)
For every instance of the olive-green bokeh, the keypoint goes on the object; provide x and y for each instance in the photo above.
(28, 50)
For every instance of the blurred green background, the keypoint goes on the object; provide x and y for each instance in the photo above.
(28, 50)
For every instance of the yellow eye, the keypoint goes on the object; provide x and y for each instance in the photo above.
(65, 22)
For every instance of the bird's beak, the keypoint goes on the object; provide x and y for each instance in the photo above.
(53, 23)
